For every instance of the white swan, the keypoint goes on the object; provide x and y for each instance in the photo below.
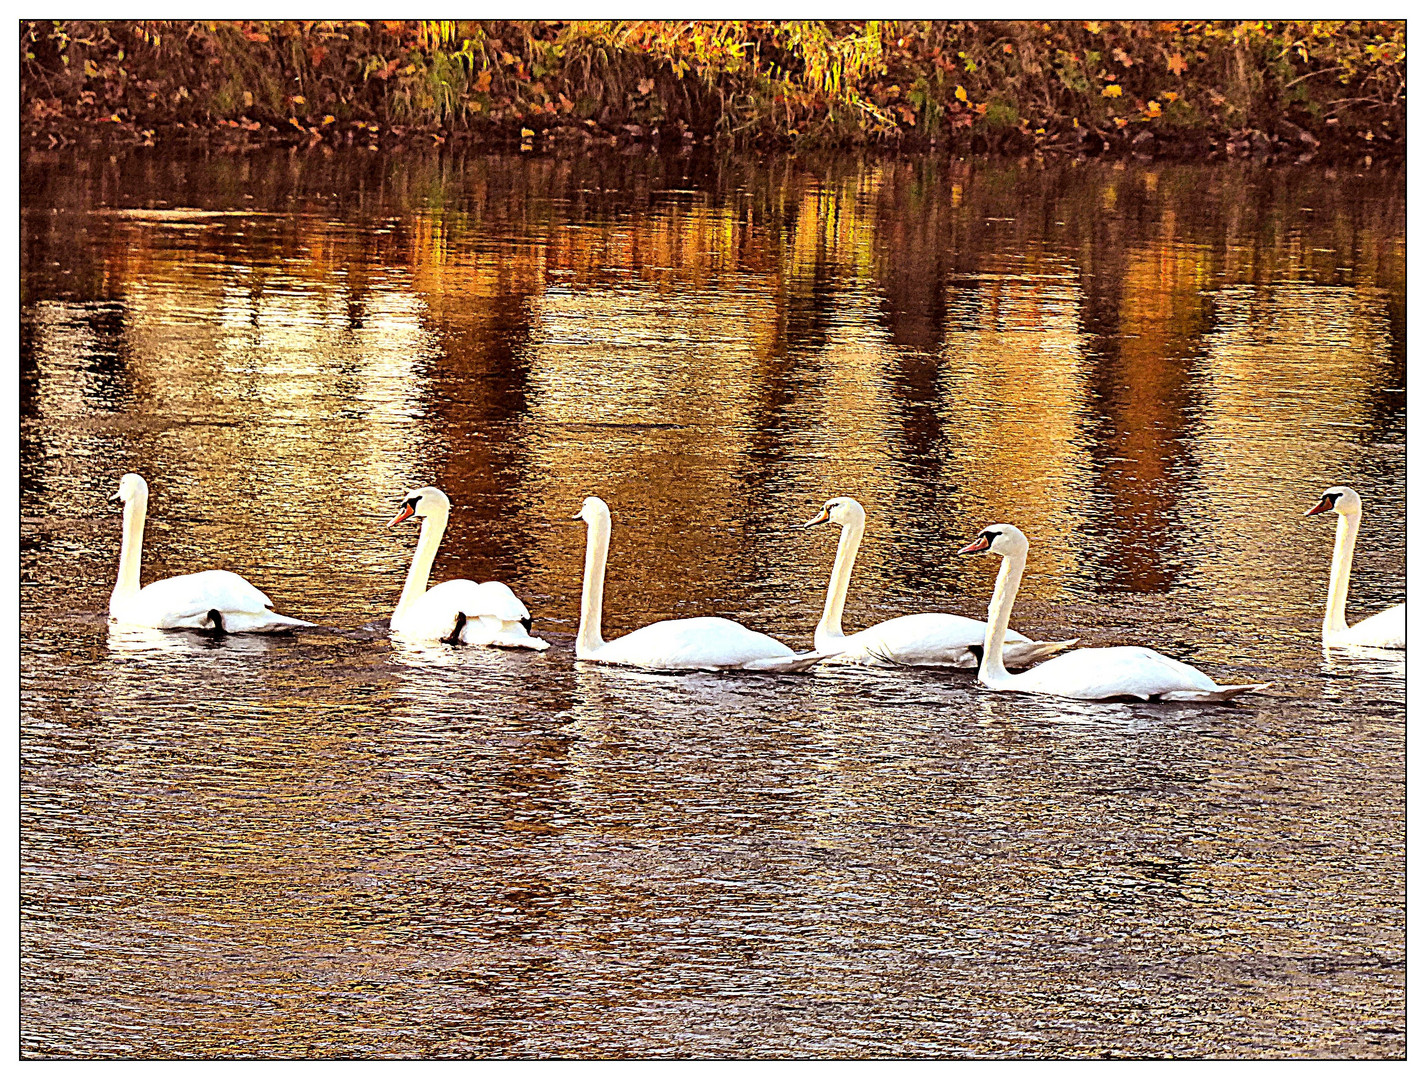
(929, 640)
(460, 611)
(1093, 674)
(703, 644)
(1384, 630)
(211, 600)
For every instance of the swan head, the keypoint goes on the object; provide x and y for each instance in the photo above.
(843, 510)
(421, 503)
(594, 509)
(131, 486)
(1341, 499)
(1000, 539)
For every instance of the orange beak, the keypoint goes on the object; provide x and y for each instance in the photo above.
(406, 511)
(979, 544)
(1320, 508)
(822, 515)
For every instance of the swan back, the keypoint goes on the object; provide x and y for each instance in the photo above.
(703, 643)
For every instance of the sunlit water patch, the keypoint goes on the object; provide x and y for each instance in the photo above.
(332, 844)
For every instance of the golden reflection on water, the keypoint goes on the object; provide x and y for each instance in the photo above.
(1152, 371)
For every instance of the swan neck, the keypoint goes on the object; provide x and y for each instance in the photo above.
(591, 606)
(126, 585)
(433, 527)
(847, 546)
(1335, 618)
(1007, 584)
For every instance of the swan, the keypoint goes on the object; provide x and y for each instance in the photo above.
(928, 640)
(211, 600)
(1384, 630)
(1092, 674)
(703, 644)
(458, 612)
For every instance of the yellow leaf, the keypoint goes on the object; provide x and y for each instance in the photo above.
(526, 133)
(961, 93)
(1154, 109)
(1112, 91)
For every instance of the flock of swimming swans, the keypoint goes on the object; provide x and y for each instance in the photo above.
(468, 613)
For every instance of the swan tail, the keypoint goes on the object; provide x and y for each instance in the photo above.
(1020, 654)
(286, 621)
(255, 622)
(795, 662)
(520, 641)
(1218, 693)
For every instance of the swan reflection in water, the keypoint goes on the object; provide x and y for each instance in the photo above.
(1360, 661)
(1122, 717)
(143, 642)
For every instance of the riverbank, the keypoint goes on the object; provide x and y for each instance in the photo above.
(1305, 90)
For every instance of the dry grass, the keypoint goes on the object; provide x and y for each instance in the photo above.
(972, 85)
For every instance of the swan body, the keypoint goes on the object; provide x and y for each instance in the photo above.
(931, 639)
(1384, 630)
(1126, 671)
(460, 611)
(701, 644)
(209, 600)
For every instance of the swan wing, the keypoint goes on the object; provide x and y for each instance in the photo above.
(1122, 671)
(1384, 630)
(931, 639)
(692, 644)
(493, 615)
(501, 602)
(184, 602)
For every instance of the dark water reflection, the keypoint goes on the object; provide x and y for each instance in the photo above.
(332, 845)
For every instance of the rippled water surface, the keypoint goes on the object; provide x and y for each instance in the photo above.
(328, 844)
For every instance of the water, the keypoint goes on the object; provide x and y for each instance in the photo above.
(332, 845)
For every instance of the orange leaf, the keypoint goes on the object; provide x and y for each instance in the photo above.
(1177, 64)
(482, 82)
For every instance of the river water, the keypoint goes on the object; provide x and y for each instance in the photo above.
(330, 845)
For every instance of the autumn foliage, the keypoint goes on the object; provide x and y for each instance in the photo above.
(1244, 87)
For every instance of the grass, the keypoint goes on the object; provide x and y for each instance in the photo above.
(1015, 86)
